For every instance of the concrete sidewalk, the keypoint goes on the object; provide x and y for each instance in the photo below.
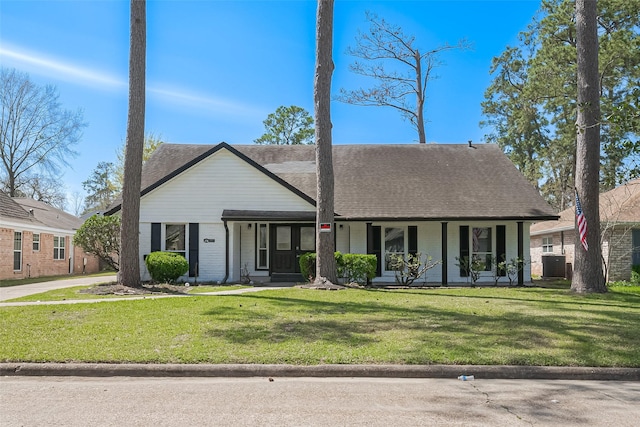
(20, 291)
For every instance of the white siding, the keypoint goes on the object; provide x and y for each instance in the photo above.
(222, 181)
(342, 238)
(200, 195)
(358, 237)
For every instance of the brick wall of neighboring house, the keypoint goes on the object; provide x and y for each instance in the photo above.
(616, 248)
(37, 263)
(620, 256)
(563, 244)
(41, 262)
(6, 253)
(92, 264)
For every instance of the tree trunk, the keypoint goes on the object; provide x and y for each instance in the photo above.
(588, 263)
(422, 138)
(129, 274)
(325, 259)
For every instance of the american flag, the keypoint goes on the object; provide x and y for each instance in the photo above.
(582, 223)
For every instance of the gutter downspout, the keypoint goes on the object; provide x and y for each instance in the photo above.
(226, 252)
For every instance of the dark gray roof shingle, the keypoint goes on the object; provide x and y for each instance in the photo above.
(411, 181)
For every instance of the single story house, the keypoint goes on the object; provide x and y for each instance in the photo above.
(250, 210)
(36, 240)
(553, 242)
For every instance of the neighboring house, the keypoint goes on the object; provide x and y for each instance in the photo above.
(36, 240)
(553, 242)
(228, 209)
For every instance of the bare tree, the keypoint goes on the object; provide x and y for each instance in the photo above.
(151, 143)
(588, 275)
(383, 48)
(36, 133)
(326, 273)
(77, 203)
(43, 189)
(129, 274)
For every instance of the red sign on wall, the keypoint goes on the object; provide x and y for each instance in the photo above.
(325, 227)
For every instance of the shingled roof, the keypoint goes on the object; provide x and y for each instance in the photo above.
(620, 205)
(48, 215)
(377, 182)
(10, 209)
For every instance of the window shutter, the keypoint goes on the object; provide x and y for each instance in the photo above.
(464, 248)
(501, 248)
(194, 247)
(374, 245)
(155, 237)
(413, 239)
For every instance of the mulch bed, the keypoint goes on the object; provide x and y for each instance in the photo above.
(113, 288)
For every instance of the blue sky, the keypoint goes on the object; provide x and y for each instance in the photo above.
(216, 69)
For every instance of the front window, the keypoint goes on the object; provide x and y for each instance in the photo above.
(58, 247)
(482, 247)
(393, 245)
(17, 251)
(283, 238)
(262, 245)
(175, 239)
(308, 239)
(36, 242)
(547, 244)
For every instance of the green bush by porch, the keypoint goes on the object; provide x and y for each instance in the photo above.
(166, 266)
(357, 268)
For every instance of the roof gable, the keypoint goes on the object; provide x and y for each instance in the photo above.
(171, 160)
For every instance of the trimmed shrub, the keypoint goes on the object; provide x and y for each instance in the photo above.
(352, 267)
(166, 266)
(635, 275)
(358, 268)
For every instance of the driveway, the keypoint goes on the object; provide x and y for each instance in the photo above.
(20, 291)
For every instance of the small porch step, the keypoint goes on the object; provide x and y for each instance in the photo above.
(287, 277)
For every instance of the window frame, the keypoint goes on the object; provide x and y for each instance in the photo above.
(17, 251)
(59, 248)
(35, 242)
(482, 255)
(185, 242)
(383, 238)
(547, 245)
(259, 248)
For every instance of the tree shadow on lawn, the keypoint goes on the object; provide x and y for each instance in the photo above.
(430, 334)
(610, 299)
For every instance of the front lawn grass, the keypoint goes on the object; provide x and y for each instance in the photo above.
(522, 326)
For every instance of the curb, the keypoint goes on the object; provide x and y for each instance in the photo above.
(358, 371)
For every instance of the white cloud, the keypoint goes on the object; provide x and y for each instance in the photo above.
(173, 98)
(205, 103)
(42, 65)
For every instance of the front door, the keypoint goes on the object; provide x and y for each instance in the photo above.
(288, 242)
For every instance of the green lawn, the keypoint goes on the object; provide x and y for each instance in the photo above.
(522, 326)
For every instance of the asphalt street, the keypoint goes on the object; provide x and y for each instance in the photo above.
(262, 401)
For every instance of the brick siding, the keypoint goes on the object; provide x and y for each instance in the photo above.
(40, 262)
